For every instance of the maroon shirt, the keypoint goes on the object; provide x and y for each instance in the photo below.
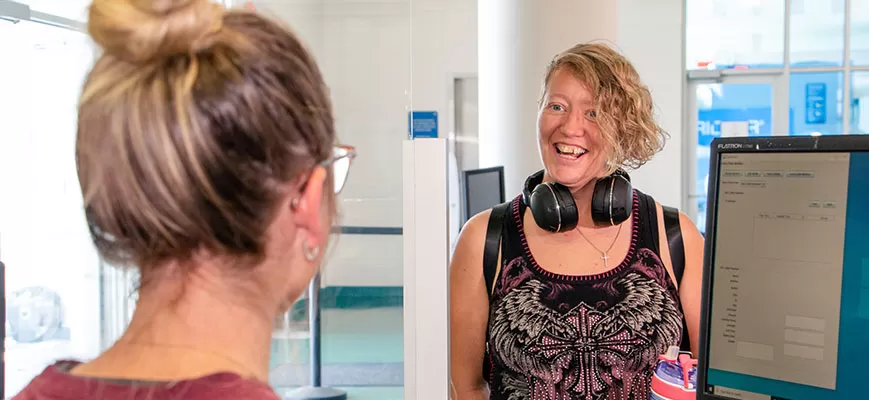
(56, 383)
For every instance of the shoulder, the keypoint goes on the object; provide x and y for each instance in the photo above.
(50, 380)
(468, 258)
(472, 238)
(473, 233)
(691, 236)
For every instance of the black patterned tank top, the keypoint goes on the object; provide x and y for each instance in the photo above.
(558, 337)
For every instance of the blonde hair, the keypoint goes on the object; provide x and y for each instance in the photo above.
(190, 126)
(623, 105)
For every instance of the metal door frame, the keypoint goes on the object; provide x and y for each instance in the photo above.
(778, 81)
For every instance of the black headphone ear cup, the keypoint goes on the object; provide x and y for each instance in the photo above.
(612, 200)
(553, 207)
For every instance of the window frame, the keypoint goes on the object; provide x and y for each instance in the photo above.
(780, 77)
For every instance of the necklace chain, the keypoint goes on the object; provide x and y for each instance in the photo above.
(604, 254)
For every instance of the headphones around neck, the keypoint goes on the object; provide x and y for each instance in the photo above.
(554, 209)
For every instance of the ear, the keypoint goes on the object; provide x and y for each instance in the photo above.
(307, 211)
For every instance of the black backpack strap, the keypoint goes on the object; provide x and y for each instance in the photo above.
(492, 248)
(491, 256)
(674, 240)
(677, 257)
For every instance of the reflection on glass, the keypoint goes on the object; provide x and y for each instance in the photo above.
(724, 34)
(859, 14)
(817, 33)
(815, 103)
(727, 110)
(859, 102)
(52, 269)
(365, 54)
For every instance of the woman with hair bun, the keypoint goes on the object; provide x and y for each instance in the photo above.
(207, 161)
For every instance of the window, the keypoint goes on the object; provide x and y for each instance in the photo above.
(859, 14)
(859, 102)
(817, 33)
(815, 100)
(805, 62)
(724, 34)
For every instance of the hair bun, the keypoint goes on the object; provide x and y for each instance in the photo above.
(146, 30)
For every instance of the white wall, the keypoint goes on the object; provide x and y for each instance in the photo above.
(651, 35)
(381, 59)
(518, 38)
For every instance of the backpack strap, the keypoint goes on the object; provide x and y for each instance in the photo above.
(491, 265)
(674, 239)
(492, 249)
(677, 256)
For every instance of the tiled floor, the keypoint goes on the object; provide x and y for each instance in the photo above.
(362, 352)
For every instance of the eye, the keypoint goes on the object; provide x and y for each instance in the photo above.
(556, 107)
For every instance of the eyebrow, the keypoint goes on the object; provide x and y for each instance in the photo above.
(582, 102)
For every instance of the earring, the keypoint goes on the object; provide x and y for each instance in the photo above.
(310, 253)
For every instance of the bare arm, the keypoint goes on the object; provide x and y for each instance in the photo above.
(692, 278)
(469, 313)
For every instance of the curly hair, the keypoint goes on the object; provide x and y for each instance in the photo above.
(623, 104)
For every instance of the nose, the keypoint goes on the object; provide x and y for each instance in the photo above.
(574, 124)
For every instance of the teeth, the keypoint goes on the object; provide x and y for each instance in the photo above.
(568, 149)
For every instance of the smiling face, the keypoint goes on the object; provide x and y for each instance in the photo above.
(573, 151)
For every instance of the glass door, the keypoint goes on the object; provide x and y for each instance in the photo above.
(726, 107)
(52, 269)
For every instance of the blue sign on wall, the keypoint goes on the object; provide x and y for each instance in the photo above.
(816, 103)
(423, 124)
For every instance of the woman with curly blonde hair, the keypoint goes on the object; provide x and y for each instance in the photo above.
(583, 296)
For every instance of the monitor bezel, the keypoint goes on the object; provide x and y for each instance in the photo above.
(768, 144)
(478, 171)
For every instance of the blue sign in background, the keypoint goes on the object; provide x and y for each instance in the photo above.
(423, 124)
(816, 103)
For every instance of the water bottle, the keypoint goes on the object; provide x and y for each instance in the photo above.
(675, 376)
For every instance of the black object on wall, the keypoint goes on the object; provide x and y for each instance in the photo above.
(482, 189)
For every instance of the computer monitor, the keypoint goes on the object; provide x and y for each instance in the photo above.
(785, 310)
(482, 189)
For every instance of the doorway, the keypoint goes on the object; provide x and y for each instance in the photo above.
(727, 106)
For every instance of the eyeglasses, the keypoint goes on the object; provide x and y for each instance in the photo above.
(342, 157)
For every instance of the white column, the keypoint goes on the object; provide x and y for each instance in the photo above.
(425, 251)
(517, 39)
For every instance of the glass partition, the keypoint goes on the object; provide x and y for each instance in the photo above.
(53, 300)
(365, 52)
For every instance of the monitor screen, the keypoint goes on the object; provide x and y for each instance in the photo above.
(483, 189)
(786, 287)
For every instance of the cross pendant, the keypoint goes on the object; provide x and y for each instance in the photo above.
(605, 259)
